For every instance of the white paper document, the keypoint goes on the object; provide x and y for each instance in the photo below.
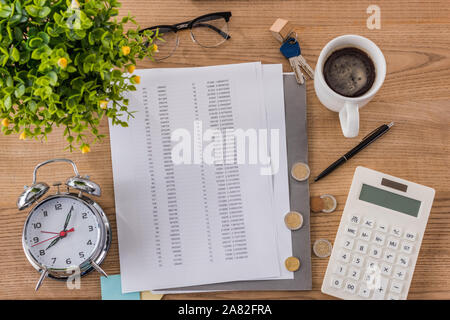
(188, 211)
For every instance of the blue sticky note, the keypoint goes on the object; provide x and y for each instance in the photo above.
(112, 289)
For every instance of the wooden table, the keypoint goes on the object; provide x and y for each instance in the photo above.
(415, 38)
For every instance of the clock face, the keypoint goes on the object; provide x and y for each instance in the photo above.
(62, 232)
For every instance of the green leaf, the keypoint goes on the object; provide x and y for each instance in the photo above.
(5, 10)
(20, 90)
(33, 10)
(35, 42)
(18, 7)
(45, 38)
(32, 106)
(53, 78)
(15, 55)
(40, 3)
(7, 102)
(44, 12)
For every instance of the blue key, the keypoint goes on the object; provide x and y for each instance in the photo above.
(291, 50)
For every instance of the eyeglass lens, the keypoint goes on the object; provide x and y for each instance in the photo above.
(210, 31)
(167, 45)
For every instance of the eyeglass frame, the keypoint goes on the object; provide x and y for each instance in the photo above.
(189, 24)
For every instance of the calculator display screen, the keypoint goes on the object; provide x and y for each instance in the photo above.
(390, 200)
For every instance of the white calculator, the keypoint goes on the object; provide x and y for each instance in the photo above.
(379, 238)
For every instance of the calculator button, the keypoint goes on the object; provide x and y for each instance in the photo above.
(375, 252)
(336, 283)
(393, 296)
(365, 235)
(399, 274)
(407, 248)
(386, 269)
(348, 244)
(403, 260)
(396, 287)
(389, 256)
(340, 269)
(364, 292)
(344, 256)
(355, 219)
(368, 223)
(350, 287)
(372, 265)
(357, 261)
(392, 243)
(382, 227)
(361, 247)
(379, 239)
(370, 278)
(411, 236)
(351, 231)
(396, 231)
(354, 273)
(380, 288)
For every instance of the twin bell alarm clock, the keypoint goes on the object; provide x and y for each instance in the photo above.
(66, 231)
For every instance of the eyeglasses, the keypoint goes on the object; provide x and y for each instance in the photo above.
(209, 30)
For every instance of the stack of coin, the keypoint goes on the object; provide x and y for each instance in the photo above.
(300, 171)
(293, 220)
(322, 248)
(325, 203)
(292, 264)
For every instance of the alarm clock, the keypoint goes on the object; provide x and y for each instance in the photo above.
(65, 232)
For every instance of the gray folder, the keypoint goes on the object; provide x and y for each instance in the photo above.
(297, 150)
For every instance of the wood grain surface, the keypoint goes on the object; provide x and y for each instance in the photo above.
(415, 39)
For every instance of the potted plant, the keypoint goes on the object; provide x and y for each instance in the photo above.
(66, 63)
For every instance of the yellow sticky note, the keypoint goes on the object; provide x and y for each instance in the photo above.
(147, 295)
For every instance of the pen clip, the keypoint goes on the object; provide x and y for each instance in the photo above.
(370, 133)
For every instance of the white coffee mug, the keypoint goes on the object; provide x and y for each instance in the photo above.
(348, 108)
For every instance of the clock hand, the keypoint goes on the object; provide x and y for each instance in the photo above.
(62, 234)
(69, 215)
(53, 242)
(50, 232)
(45, 240)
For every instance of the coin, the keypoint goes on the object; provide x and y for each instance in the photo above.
(293, 220)
(292, 264)
(300, 171)
(317, 204)
(329, 203)
(322, 248)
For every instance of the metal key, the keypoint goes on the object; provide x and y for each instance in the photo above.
(296, 58)
(306, 67)
(291, 50)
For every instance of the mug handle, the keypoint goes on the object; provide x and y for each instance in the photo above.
(349, 117)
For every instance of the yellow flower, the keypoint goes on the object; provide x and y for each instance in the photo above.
(103, 104)
(85, 149)
(136, 79)
(5, 122)
(23, 136)
(62, 63)
(131, 68)
(155, 48)
(126, 50)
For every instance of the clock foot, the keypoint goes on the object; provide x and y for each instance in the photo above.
(44, 274)
(97, 267)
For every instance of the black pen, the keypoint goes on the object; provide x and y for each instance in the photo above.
(371, 137)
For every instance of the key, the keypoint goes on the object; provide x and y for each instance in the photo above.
(309, 71)
(291, 50)
(294, 54)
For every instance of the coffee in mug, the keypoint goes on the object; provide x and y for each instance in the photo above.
(349, 72)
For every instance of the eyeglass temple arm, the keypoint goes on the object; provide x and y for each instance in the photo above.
(225, 35)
